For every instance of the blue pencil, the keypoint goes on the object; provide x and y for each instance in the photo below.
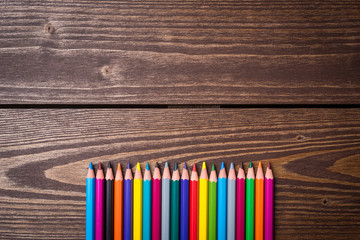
(147, 191)
(128, 180)
(184, 204)
(90, 203)
(221, 209)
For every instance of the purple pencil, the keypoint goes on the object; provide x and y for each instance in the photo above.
(99, 204)
(240, 204)
(269, 203)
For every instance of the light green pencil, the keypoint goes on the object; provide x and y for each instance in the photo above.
(212, 204)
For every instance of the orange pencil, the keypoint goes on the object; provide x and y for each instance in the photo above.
(259, 204)
(118, 204)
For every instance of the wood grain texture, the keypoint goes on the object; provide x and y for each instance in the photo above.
(179, 52)
(44, 154)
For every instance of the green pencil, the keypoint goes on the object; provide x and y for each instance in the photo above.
(175, 205)
(212, 204)
(249, 219)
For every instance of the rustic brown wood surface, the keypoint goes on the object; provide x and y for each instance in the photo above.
(315, 155)
(179, 52)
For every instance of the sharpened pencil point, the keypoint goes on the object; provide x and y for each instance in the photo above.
(269, 165)
(91, 166)
(203, 165)
(147, 166)
(156, 165)
(100, 167)
(222, 165)
(232, 166)
(175, 167)
(119, 167)
(194, 167)
(250, 165)
(260, 165)
(128, 166)
(138, 167)
(213, 167)
(185, 167)
(241, 164)
(166, 165)
(109, 165)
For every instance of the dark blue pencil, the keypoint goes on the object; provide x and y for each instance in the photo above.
(184, 204)
(128, 180)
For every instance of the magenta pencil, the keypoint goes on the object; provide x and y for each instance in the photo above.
(240, 204)
(99, 204)
(269, 203)
(156, 204)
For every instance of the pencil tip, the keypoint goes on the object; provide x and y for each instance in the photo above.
(166, 164)
(128, 166)
(185, 166)
(91, 166)
(119, 166)
(138, 166)
(100, 167)
(260, 165)
(175, 167)
(250, 165)
(194, 167)
(213, 167)
(156, 165)
(269, 165)
(109, 165)
(232, 166)
(147, 166)
(241, 164)
(222, 165)
(203, 165)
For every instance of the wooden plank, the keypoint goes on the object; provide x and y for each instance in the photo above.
(179, 52)
(315, 155)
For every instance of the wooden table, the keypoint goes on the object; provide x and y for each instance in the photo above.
(179, 81)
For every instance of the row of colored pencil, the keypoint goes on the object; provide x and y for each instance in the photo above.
(179, 208)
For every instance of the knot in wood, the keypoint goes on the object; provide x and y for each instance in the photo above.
(49, 28)
(106, 70)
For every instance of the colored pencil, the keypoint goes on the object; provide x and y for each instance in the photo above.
(128, 206)
(156, 204)
(137, 209)
(269, 203)
(193, 204)
(259, 204)
(147, 191)
(203, 203)
(165, 203)
(240, 204)
(100, 204)
(109, 204)
(231, 196)
(184, 204)
(212, 203)
(118, 204)
(175, 204)
(249, 213)
(90, 203)
(222, 202)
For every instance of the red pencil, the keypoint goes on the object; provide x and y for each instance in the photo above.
(193, 206)
(156, 204)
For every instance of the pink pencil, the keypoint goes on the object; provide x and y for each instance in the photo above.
(269, 203)
(99, 204)
(156, 204)
(240, 203)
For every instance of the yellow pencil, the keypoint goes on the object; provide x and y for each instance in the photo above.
(138, 190)
(203, 203)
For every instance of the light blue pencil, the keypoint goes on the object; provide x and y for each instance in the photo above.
(90, 203)
(147, 191)
(165, 203)
(221, 201)
(231, 197)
